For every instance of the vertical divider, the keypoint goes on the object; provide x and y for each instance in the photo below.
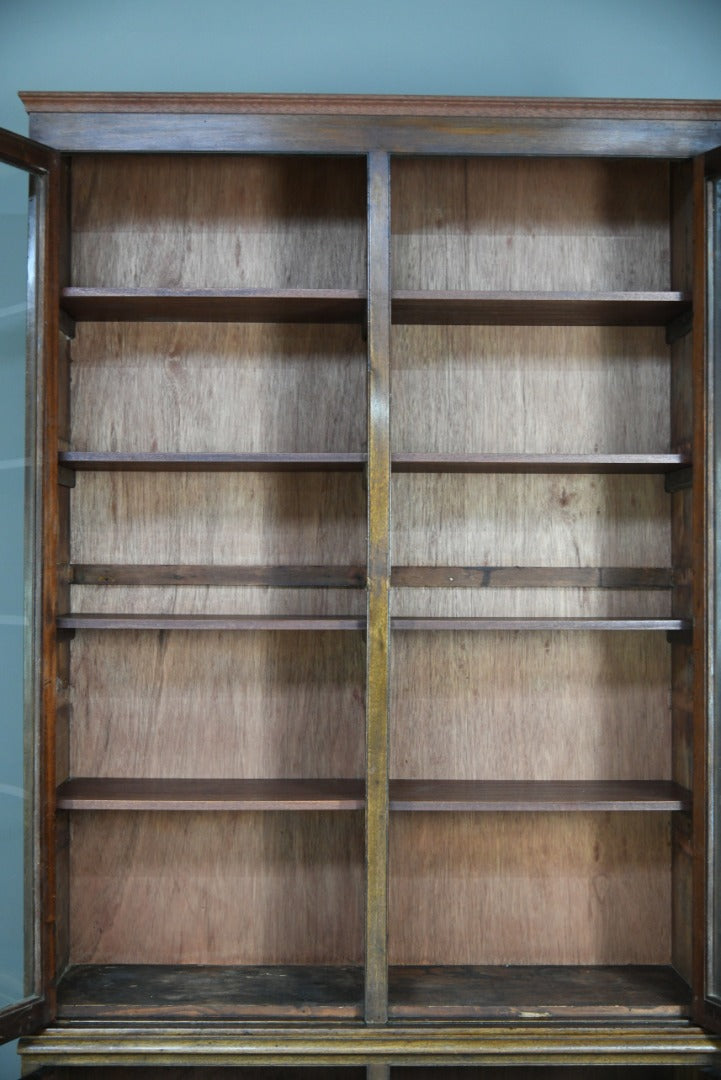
(377, 633)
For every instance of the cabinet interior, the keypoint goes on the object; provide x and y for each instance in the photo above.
(211, 740)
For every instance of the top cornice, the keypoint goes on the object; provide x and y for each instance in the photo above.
(370, 105)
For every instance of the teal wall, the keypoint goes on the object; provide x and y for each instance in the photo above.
(568, 48)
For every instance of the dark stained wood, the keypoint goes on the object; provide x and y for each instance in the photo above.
(538, 308)
(461, 622)
(277, 577)
(552, 133)
(538, 795)
(23, 153)
(538, 1072)
(530, 993)
(215, 305)
(108, 793)
(160, 462)
(144, 991)
(24, 1019)
(681, 480)
(532, 577)
(539, 463)
(378, 599)
(45, 550)
(704, 558)
(95, 621)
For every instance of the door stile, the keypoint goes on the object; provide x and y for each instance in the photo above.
(707, 751)
(377, 636)
(42, 165)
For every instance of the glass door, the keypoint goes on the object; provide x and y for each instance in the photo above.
(25, 263)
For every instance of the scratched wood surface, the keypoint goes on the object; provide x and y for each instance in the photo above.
(505, 223)
(218, 222)
(530, 889)
(255, 888)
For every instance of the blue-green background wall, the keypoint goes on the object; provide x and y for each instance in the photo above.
(568, 48)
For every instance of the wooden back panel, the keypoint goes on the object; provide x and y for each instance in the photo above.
(227, 222)
(516, 223)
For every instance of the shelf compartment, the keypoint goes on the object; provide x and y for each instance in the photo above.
(472, 308)
(120, 991)
(539, 463)
(532, 577)
(215, 305)
(278, 577)
(537, 993)
(132, 793)
(460, 622)
(111, 461)
(538, 795)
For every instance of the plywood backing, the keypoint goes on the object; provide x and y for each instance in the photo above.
(530, 889)
(530, 389)
(225, 388)
(530, 706)
(218, 704)
(505, 223)
(256, 888)
(218, 222)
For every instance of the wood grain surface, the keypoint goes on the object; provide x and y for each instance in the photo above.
(230, 388)
(552, 224)
(256, 888)
(214, 704)
(530, 389)
(530, 889)
(224, 222)
(530, 706)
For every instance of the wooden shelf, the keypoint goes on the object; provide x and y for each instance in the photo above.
(277, 577)
(110, 621)
(533, 993)
(532, 577)
(454, 308)
(537, 795)
(132, 793)
(125, 991)
(101, 461)
(114, 793)
(462, 622)
(215, 305)
(539, 463)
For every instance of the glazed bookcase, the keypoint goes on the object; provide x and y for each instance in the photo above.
(375, 720)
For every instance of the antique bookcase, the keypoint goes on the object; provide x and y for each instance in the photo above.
(373, 687)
